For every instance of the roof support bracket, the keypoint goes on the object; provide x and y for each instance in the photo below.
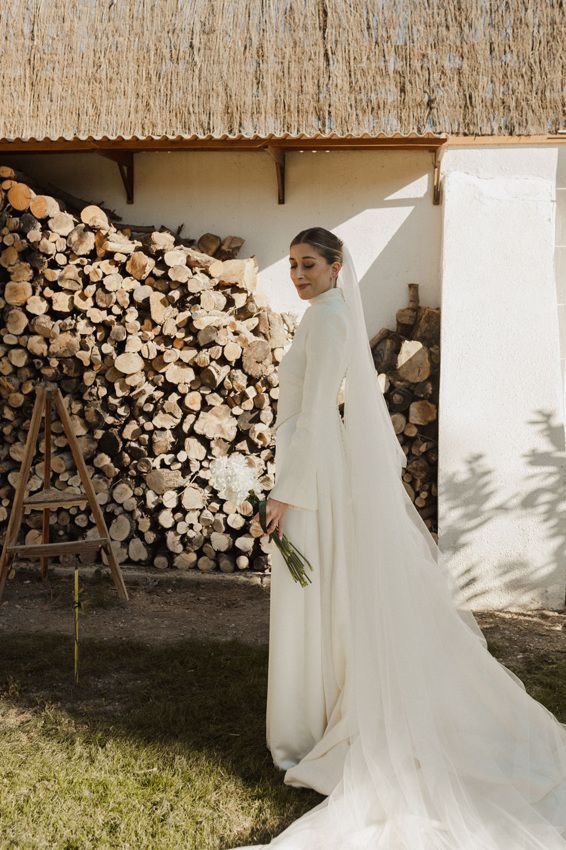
(125, 161)
(436, 178)
(278, 157)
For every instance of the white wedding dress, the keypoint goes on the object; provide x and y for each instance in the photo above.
(306, 723)
(382, 694)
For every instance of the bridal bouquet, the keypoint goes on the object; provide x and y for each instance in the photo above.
(235, 479)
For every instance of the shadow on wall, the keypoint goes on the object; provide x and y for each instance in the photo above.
(472, 500)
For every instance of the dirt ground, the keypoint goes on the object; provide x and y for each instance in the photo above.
(162, 606)
(171, 606)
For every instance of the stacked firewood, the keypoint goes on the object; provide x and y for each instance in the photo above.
(167, 358)
(408, 365)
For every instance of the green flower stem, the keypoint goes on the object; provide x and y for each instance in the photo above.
(295, 561)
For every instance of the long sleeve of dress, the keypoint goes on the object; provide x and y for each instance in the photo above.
(325, 345)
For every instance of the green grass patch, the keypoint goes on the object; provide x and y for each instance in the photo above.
(158, 747)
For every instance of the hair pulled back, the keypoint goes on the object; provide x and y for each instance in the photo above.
(325, 242)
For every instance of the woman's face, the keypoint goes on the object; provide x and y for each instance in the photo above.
(310, 272)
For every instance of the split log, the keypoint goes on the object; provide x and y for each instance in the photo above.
(19, 196)
(94, 217)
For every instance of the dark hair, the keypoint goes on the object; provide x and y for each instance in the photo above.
(325, 242)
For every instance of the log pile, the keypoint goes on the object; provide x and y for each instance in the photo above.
(167, 358)
(408, 366)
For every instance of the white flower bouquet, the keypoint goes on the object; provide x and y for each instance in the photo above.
(235, 478)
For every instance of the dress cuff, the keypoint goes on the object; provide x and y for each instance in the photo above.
(299, 492)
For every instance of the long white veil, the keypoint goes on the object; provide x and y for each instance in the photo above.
(448, 751)
(372, 443)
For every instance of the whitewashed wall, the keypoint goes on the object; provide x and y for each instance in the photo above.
(502, 470)
(379, 201)
(560, 254)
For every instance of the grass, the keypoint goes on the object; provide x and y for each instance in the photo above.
(158, 747)
(544, 675)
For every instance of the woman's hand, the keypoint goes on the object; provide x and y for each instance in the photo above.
(275, 511)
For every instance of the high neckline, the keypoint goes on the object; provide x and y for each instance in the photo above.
(327, 295)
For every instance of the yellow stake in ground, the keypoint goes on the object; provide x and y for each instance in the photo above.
(76, 607)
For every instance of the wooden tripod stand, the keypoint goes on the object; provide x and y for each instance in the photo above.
(51, 497)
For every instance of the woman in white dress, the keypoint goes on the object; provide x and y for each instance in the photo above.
(308, 644)
(382, 694)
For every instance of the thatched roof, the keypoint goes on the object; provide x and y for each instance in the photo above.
(278, 68)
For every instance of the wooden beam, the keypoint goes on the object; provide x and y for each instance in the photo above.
(259, 144)
(436, 179)
(125, 161)
(431, 143)
(278, 157)
(499, 141)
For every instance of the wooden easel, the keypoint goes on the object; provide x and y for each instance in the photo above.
(51, 497)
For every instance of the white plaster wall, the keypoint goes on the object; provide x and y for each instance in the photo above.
(379, 201)
(560, 255)
(502, 466)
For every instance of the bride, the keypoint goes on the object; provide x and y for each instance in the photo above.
(382, 694)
